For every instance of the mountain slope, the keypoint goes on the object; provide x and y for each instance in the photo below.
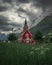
(45, 26)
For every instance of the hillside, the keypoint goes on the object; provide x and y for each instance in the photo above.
(45, 26)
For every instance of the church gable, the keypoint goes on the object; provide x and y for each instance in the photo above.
(27, 33)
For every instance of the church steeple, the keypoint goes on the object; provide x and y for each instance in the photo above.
(25, 25)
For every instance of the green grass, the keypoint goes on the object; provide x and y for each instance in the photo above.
(25, 54)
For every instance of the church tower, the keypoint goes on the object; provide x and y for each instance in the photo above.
(25, 25)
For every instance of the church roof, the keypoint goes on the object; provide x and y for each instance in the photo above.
(27, 32)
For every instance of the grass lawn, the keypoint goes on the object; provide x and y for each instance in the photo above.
(25, 54)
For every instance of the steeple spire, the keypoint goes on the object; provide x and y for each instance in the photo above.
(25, 22)
(25, 25)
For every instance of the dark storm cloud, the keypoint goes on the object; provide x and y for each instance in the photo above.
(3, 20)
(23, 1)
(46, 2)
(8, 27)
(3, 8)
(42, 2)
(4, 28)
(15, 24)
(35, 2)
(7, 1)
(21, 10)
(38, 3)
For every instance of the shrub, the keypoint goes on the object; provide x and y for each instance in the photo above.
(38, 36)
(12, 37)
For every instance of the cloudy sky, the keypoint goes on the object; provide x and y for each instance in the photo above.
(14, 12)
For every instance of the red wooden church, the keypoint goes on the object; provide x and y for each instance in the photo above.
(26, 36)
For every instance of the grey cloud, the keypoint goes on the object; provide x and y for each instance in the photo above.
(23, 1)
(15, 24)
(4, 25)
(8, 27)
(20, 1)
(3, 8)
(30, 15)
(7, 1)
(21, 10)
(4, 28)
(42, 2)
(36, 2)
(3, 20)
(46, 2)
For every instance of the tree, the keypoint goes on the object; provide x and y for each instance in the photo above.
(51, 40)
(12, 37)
(50, 37)
(38, 36)
(47, 39)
